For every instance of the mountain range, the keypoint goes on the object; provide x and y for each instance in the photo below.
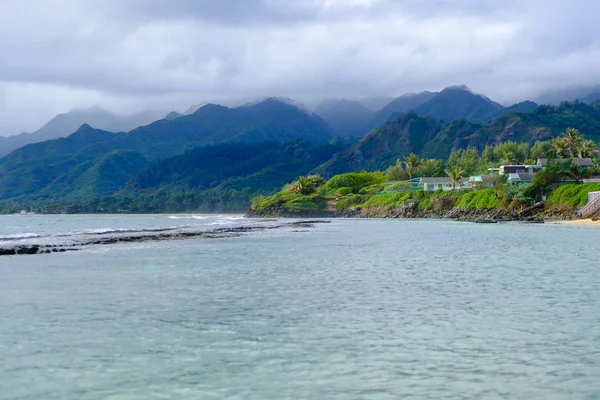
(52, 168)
(351, 118)
(65, 124)
(434, 138)
(264, 144)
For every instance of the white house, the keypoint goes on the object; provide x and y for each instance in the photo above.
(444, 183)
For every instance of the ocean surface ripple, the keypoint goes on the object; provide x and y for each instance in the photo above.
(369, 309)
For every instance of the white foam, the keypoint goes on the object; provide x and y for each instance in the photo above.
(17, 236)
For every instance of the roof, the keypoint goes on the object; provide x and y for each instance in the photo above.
(434, 181)
(582, 162)
(483, 178)
(520, 177)
(525, 177)
(440, 180)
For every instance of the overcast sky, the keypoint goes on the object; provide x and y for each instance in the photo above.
(129, 55)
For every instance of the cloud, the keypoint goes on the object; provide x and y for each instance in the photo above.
(129, 55)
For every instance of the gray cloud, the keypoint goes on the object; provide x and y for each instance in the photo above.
(135, 54)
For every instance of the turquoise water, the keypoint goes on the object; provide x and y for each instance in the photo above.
(369, 309)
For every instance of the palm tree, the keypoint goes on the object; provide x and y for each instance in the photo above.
(561, 147)
(455, 175)
(578, 173)
(573, 141)
(411, 163)
(588, 149)
(508, 158)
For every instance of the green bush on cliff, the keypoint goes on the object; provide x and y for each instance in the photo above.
(304, 203)
(480, 199)
(387, 200)
(289, 200)
(372, 189)
(355, 181)
(351, 201)
(399, 187)
(572, 195)
(343, 191)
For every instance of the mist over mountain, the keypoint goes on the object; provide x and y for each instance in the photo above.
(345, 117)
(64, 124)
(585, 93)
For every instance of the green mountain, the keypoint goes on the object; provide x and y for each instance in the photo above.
(36, 170)
(546, 122)
(259, 167)
(400, 105)
(345, 117)
(64, 124)
(433, 138)
(406, 134)
(459, 102)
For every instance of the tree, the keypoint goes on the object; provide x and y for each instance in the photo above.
(588, 149)
(543, 149)
(554, 172)
(305, 184)
(508, 158)
(578, 173)
(432, 167)
(499, 183)
(467, 160)
(411, 163)
(455, 174)
(561, 147)
(573, 141)
(396, 172)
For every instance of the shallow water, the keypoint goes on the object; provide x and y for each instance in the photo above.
(355, 309)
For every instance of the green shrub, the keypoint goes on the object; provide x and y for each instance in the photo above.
(355, 181)
(572, 195)
(387, 200)
(480, 199)
(352, 201)
(343, 191)
(302, 203)
(373, 189)
(290, 200)
(399, 187)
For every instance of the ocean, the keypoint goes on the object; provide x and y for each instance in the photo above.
(350, 309)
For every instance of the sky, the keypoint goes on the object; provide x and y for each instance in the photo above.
(131, 55)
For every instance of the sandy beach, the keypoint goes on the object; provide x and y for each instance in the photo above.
(580, 222)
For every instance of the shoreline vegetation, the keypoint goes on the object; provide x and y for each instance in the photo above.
(553, 190)
(465, 205)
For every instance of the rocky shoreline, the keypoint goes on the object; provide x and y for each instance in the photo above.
(474, 215)
(31, 247)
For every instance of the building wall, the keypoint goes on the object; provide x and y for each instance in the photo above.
(592, 196)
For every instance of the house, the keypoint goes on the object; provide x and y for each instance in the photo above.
(580, 162)
(584, 163)
(443, 183)
(482, 181)
(520, 178)
(512, 169)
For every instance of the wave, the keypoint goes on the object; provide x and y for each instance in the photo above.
(187, 217)
(19, 236)
(108, 231)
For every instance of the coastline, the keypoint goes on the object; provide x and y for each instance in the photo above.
(578, 222)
